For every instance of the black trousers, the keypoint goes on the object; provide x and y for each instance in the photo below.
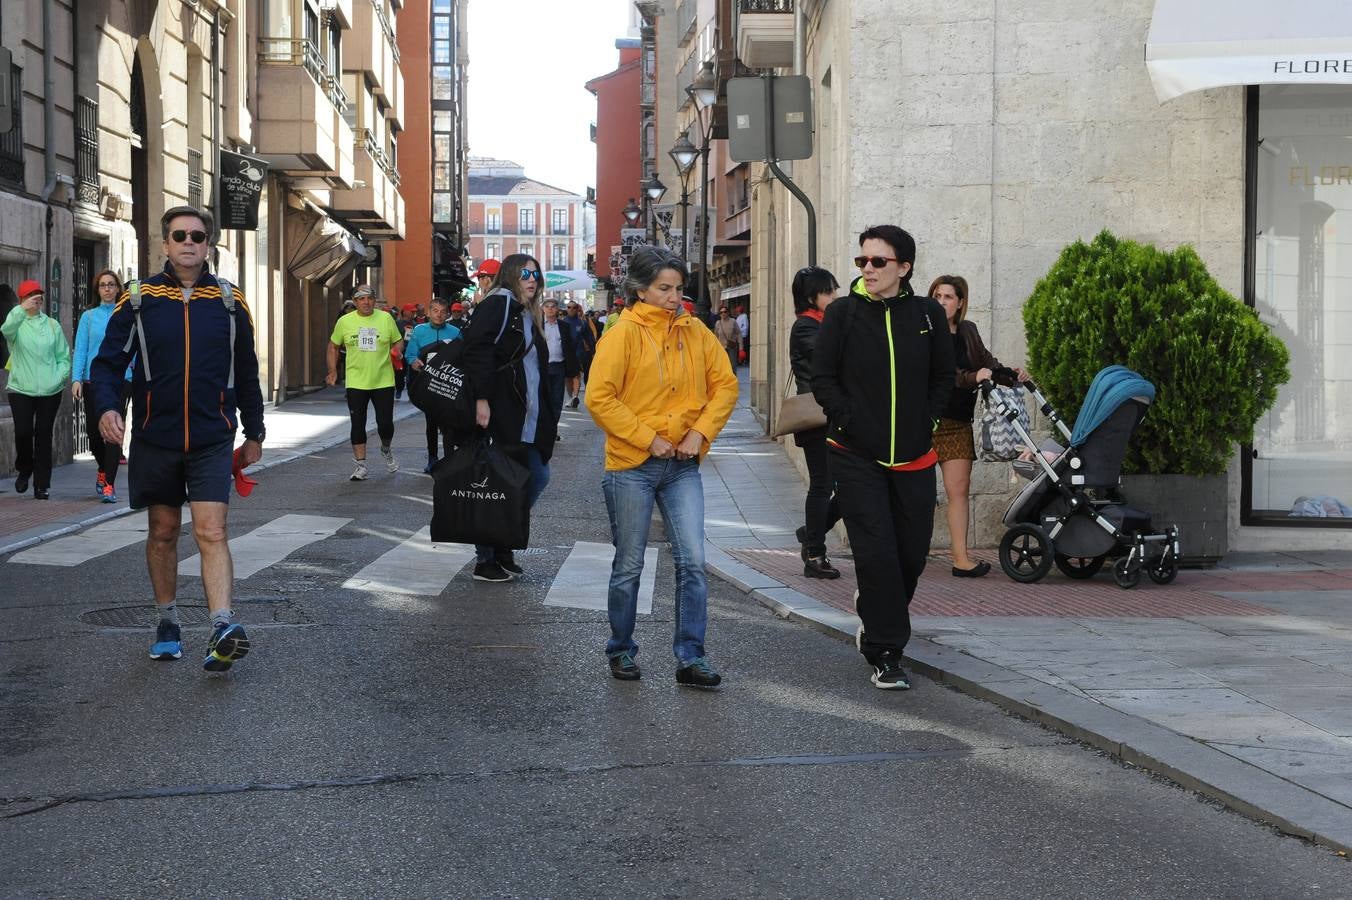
(821, 508)
(889, 517)
(433, 432)
(383, 400)
(34, 419)
(108, 456)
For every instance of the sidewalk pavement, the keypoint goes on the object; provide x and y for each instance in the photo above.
(298, 427)
(1235, 682)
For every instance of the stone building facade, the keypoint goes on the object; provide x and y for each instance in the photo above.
(147, 93)
(997, 134)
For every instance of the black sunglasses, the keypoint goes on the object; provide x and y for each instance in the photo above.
(877, 262)
(179, 236)
(528, 274)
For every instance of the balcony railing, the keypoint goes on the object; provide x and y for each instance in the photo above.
(195, 178)
(525, 229)
(386, 27)
(87, 150)
(274, 51)
(647, 97)
(685, 20)
(773, 6)
(366, 141)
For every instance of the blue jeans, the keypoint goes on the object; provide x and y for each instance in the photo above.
(539, 480)
(676, 488)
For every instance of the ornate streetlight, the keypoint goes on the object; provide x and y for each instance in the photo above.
(683, 154)
(653, 189)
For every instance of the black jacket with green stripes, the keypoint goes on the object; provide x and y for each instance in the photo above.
(883, 371)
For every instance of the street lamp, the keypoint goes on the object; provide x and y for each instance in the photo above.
(653, 189)
(683, 154)
(631, 212)
(703, 92)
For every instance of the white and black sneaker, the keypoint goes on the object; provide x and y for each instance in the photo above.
(391, 465)
(358, 471)
(491, 571)
(888, 675)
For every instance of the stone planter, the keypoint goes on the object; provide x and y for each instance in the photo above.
(1197, 504)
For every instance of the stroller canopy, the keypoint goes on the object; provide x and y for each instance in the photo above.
(1111, 388)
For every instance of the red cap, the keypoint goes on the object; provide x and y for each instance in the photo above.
(244, 485)
(457, 307)
(619, 303)
(488, 267)
(29, 288)
(409, 307)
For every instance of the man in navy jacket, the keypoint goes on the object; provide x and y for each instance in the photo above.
(195, 365)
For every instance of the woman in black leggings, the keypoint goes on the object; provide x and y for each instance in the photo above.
(813, 290)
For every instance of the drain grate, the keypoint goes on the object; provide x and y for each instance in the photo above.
(261, 610)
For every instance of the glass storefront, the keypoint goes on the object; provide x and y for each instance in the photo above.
(1299, 469)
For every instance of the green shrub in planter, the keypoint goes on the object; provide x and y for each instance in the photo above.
(1215, 365)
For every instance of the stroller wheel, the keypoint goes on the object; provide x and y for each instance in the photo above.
(1079, 566)
(1026, 553)
(1127, 572)
(1163, 572)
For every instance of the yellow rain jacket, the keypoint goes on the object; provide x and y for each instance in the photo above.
(658, 372)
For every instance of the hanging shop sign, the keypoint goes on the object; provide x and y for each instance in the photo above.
(240, 184)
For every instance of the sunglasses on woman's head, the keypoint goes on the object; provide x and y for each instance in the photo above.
(877, 262)
(180, 236)
(528, 274)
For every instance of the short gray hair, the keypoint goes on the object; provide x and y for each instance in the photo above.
(174, 212)
(645, 264)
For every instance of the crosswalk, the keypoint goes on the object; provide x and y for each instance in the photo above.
(412, 567)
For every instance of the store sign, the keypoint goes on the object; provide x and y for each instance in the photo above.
(240, 185)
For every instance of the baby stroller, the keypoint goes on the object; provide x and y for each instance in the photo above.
(1072, 513)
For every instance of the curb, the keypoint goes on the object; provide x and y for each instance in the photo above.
(1253, 792)
(283, 456)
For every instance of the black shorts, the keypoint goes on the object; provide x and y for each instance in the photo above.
(163, 477)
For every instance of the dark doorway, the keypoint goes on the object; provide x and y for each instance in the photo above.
(82, 272)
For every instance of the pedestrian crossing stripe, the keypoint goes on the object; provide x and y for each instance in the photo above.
(271, 543)
(92, 543)
(416, 567)
(413, 567)
(584, 580)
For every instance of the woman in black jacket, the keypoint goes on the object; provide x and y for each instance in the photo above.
(813, 290)
(953, 438)
(507, 360)
(882, 371)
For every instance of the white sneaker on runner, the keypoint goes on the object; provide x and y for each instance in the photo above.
(391, 465)
(359, 472)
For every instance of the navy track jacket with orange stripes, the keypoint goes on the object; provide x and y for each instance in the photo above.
(187, 403)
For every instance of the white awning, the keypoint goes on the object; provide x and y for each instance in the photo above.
(732, 293)
(1199, 44)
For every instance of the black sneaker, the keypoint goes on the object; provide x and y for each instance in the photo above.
(624, 668)
(491, 571)
(698, 674)
(228, 643)
(574, 403)
(508, 564)
(888, 675)
(21, 483)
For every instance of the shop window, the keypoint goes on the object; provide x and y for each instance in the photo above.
(1300, 212)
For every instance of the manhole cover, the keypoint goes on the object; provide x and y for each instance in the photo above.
(262, 610)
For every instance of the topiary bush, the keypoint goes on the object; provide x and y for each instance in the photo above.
(1215, 365)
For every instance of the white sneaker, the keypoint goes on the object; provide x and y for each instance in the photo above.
(391, 465)
(359, 473)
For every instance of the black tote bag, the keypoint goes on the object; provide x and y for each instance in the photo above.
(479, 496)
(441, 388)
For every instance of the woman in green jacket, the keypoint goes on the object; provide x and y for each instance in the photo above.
(39, 364)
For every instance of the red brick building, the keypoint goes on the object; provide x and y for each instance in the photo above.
(619, 160)
(510, 213)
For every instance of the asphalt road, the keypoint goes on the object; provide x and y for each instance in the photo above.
(473, 745)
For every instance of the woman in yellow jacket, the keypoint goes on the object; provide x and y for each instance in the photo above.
(661, 389)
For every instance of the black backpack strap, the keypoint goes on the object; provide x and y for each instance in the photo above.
(228, 298)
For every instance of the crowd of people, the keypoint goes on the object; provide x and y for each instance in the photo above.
(895, 375)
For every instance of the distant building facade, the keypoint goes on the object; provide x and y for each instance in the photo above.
(511, 213)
